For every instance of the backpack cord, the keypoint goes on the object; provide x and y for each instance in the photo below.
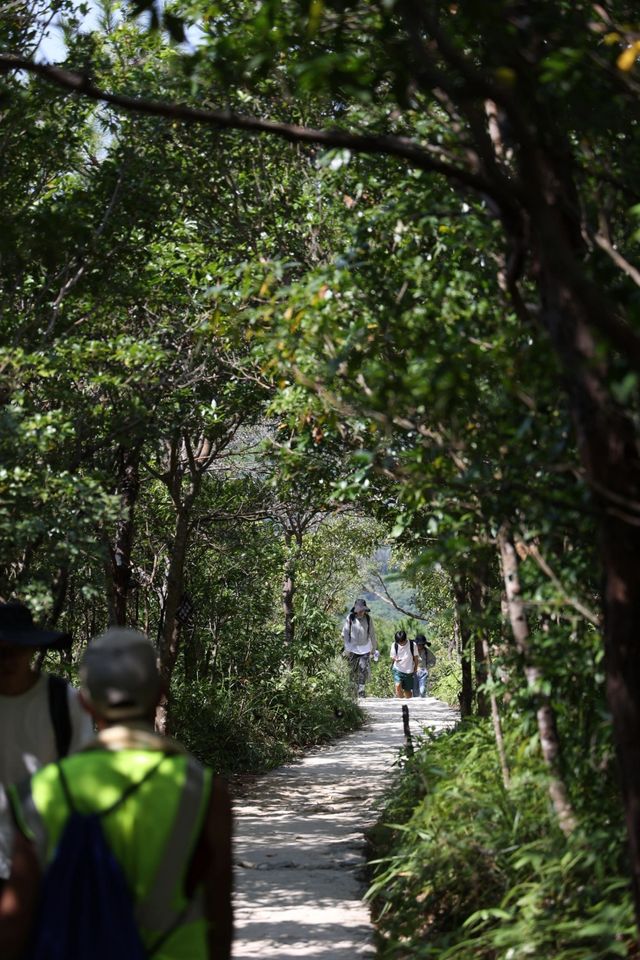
(157, 943)
(125, 796)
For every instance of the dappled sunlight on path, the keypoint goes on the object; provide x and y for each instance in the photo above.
(299, 848)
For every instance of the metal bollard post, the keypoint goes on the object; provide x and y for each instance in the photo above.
(407, 730)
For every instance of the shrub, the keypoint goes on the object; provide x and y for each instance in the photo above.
(255, 725)
(466, 869)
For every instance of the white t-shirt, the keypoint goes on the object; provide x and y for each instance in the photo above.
(27, 742)
(404, 663)
(361, 638)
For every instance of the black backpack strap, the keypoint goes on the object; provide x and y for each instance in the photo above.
(133, 787)
(125, 795)
(60, 716)
(65, 789)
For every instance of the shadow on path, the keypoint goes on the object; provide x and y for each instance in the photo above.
(299, 844)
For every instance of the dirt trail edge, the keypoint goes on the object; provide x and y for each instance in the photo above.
(299, 843)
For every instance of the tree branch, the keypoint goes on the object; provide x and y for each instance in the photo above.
(583, 610)
(623, 264)
(389, 599)
(402, 147)
(75, 278)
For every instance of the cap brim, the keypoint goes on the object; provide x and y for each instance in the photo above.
(46, 639)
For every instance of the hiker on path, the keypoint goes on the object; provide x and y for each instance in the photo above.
(426, 660)
(359, 638)
(41, 718)
(164, 833)
(404, 663)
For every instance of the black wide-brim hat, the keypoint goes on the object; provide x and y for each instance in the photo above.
(421, 640)
(18, 629)
(362, 605)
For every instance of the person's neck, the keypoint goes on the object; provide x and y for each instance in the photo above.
(132, 735)
(139, 723)
(13, 685)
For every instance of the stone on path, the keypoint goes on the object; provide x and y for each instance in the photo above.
(299, 843)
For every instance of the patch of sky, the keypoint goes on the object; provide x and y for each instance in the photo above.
(89, 16)
(52, 47)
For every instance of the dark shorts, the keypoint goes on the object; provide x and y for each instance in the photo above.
(404, 679)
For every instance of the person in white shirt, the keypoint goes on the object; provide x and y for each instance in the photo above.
(404, 663)
(359, 638)
(41, 718)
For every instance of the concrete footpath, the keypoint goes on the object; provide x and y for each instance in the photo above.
(299, 844)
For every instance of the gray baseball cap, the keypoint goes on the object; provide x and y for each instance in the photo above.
(119, 674)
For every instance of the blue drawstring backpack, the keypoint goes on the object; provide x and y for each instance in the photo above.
(86, 910)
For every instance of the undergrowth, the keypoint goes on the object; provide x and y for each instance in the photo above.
(465, 868)
(255, 726)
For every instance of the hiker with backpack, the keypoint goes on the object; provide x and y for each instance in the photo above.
(404, 663)
(359, 638)
(426, 660)
(41, 718)
(123, 850)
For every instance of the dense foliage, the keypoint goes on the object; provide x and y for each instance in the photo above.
(464, 868)
(232, 368)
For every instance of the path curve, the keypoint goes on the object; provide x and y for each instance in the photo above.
(299, 843)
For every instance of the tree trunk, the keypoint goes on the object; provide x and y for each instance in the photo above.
(288, 594)
(483, 707)
(545, 715)
(171, 628)
(621, 548)
(60, 592)
(109, 592)
(609, 452)
(466, 692)
(182, 461)
(293, 543)
(477, 606)
(129, 486)
(193, 656)
(496, 721)
(455, 641)
(572, 309)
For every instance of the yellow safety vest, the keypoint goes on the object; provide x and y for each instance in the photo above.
(152, 834)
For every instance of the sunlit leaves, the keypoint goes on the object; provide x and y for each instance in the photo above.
(627, 59)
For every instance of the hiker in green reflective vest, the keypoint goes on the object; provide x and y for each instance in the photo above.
(171, 834)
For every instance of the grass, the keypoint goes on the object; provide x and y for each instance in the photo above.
(252, 727)
(466, 870)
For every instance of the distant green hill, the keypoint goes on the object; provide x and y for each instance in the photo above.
(401, 592)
